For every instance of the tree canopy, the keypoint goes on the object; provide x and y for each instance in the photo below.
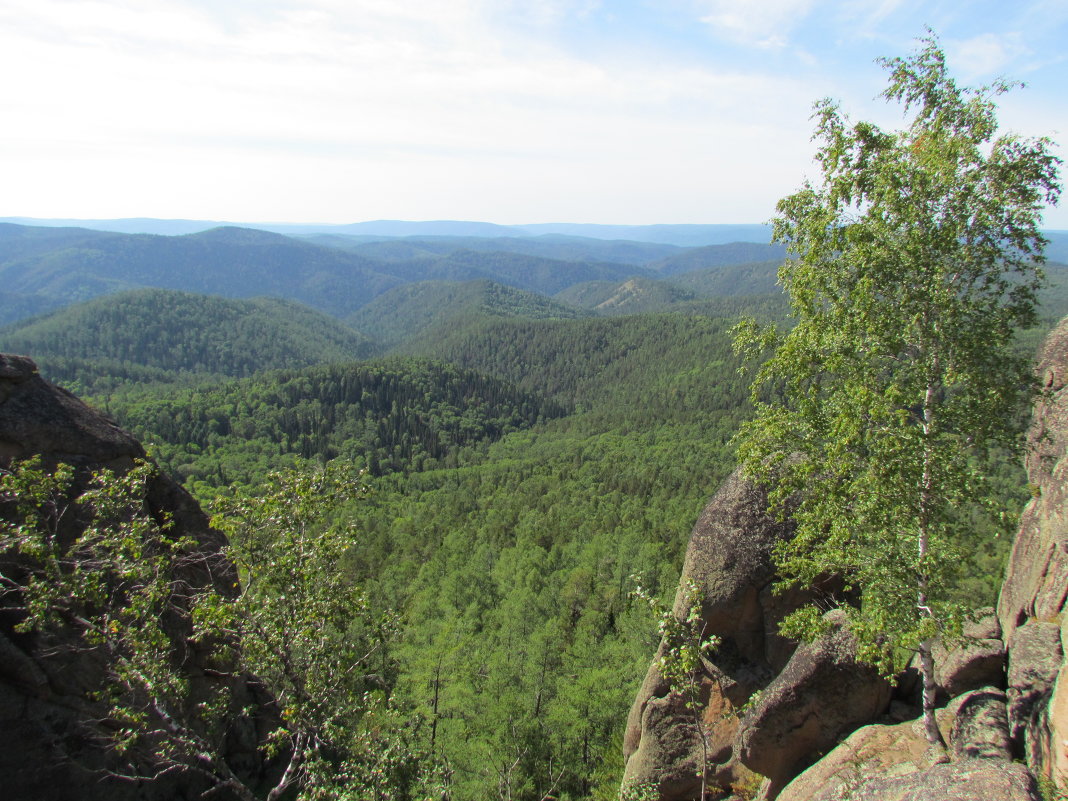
(917, 256)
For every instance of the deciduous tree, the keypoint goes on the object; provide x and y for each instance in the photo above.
(94, 570)
(917, 256)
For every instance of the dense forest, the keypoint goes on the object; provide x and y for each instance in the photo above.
(539, 426)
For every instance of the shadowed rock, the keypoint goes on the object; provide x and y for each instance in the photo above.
(729, 558)
(821, 695)
(979, 725)
(48, 753)
(978, 662)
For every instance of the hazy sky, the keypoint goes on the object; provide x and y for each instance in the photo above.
(610, 111)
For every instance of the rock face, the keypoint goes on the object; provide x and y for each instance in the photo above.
(978, 662)
(1004, 692)
(729, 559)
(894, 763)
(1032, 603)
(821, 695)
(42, 694)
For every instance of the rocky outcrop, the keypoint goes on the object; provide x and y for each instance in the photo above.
(1003, 690)
(729, 559)
(1034, 663)
(821, 695)
(48, 751)
(41, 419)
(1031, 608)
(895, 762)
(1036, 583)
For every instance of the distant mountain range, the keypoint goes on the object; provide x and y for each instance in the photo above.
(400, 291)
(43, 268)
(679, 235)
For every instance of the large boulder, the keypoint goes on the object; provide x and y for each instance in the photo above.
(1035, 661)
(896, 763)
(821, 695)
(967, 780)
(874, 750)
(40, 419)
(729, 559)
(976, 725)
(976, 662)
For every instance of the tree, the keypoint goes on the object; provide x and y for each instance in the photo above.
(284, 637)
(917, 256)
(681, 661)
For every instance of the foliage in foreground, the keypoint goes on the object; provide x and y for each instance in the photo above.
(290, 641)
(916, 264)
(683, 649)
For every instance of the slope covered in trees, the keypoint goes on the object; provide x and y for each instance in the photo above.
(633, 296)
(710, 256)
(563, 248)
(505, 532)
(411, 310)
(506, 516)
(233, 262)
(748, 278)
(383, 415)
(533, 273)
(42, 268)
(164, 335)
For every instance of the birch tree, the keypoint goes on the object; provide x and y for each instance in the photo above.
(916, 255)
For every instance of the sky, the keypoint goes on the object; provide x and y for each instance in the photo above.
(506, 111)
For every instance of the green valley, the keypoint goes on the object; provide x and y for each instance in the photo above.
(539, 425)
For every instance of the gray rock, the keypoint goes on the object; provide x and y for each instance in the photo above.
(977, 662)
(1034, 662)
(967, 780)
(820, 696)
(1036, 578)
(980, 725)
(729, 558)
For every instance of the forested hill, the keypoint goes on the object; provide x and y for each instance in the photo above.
(42, 268)
(514, 495)
(642, 367)
(549, 246)
(534, 273)
(385, 415)
(718, 256)
(413, 310)
(165, 335)
(232, 262)
(746, 278)
(512, 500)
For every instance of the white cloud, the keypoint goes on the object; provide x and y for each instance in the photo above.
(763, 23)
(985, 56)
(339, 110)
(541, 12)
